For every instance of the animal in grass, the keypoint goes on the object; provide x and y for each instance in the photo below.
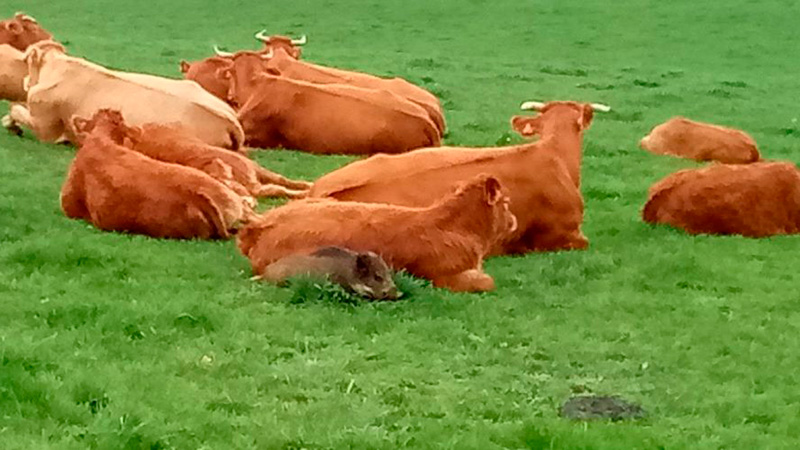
(700, 141)
(542, 178)
(61, 86)
(276, 111)
(172, 144)
(364, 273)
(445, 242)
(753, 200)
(117, 189)
(205, 71)
(21, 31)
(291, 67)
(13, 71)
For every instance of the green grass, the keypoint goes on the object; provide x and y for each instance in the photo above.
(110, 341)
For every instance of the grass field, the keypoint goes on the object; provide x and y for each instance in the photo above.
(110, 341)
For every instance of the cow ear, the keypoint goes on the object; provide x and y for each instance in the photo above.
(492, 190)
(80, 125)
(526, 126)
(14, 27)
(134, 136)
(224, 73)
(184, 66)
(586, 118)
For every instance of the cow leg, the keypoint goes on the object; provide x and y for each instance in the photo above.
(46, 129)
(265, 176)
(473, 280)
(555, 240)
(273, 190)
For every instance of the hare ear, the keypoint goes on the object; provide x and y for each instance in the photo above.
(362, 264)
(492, 191)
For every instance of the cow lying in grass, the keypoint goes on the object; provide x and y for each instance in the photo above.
(172, 144)
(686, 138)
(278, 111)
(542, 178)
(754, 200)
(13, 71)
(117, 189)
(445, 242)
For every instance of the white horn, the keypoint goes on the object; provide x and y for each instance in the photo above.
(261, 36)
(600, 107)
(536, 106)
(23, 16)
(268, 55)
(300, 41)
(221, 53)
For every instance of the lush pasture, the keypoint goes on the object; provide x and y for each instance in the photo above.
(113, 341)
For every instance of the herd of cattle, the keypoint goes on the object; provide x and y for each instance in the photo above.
(167, 158)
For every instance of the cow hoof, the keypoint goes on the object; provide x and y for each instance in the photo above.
(13, 128)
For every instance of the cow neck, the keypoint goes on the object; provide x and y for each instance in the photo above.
(465, 211)
(562, 137)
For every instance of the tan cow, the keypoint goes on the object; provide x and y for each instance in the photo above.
(280, 112)
(61, 86)
(13, 71)
(541, 178)
(117, 189)
(445, 243)
(754, 200)
(21, 31)
(207, 72)
(700, 141)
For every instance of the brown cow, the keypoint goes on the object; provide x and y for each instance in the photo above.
(542, 178)
(172, 144)
(22, 31)
(754, 200)
(207, 72)
(279, 112)
(445, 243)
(117, 189)
(700, 141)
(13, 71)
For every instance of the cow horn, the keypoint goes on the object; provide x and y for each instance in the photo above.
(600, 107)
(261, 36)
(268, 55)
(221, 53)
(300, 41)
(22, 16)
(536, 106)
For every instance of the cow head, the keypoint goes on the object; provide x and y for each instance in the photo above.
(22, 31)
(491, 206)
(579, 114)
(274, 43)
(36, 55)
(242, 74)
(109, 123)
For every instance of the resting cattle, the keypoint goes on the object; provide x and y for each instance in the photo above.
(172, 144)
(207, 73)
(686, 138)
(22, 31)
(445, 243)
(12, 72)
(754, 200)
(61, 86)
(117, 189)
(542, 178)
(292, 68)
(276, 111)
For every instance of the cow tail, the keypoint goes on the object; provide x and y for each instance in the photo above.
(214, 216)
